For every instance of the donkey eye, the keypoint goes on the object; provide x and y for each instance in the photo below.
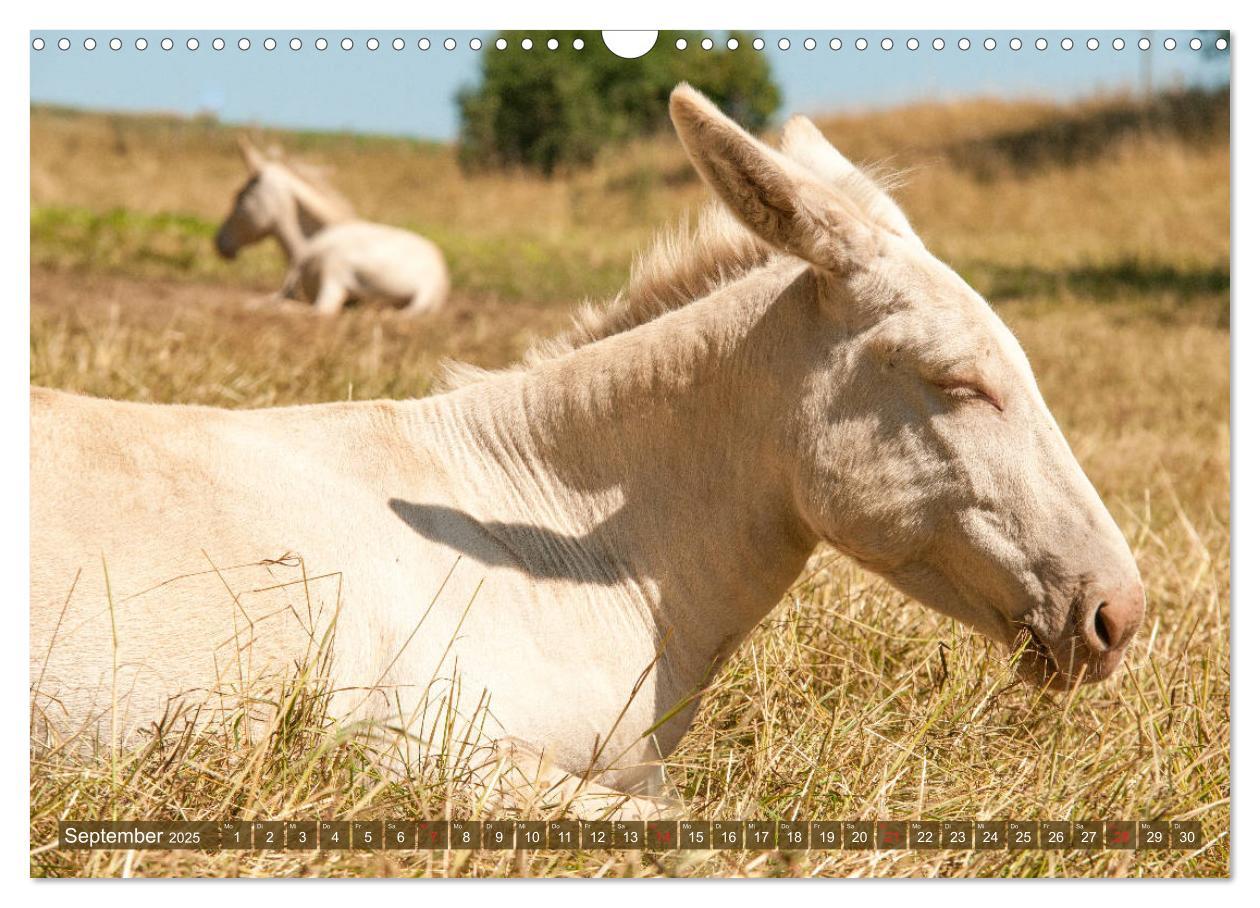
(964, 390)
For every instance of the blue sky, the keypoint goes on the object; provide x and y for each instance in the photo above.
(411, 91)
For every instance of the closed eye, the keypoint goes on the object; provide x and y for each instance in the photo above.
(966, 390)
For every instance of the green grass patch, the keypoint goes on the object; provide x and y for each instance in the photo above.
(180, 247)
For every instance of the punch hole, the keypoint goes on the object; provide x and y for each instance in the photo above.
(398, 44)
(295, 44)
(1117, 44)
(990, 44)
(578, 43)
(425, 44)
(37, 44)
(835, 44)
(784, 44)
(1016, 44)
(373, 44)
(1170, 44)
(321, 44)
(89, 44)
(938, 44)
(1196, 44)
(886, 44)
(810, 44)
(527, 44)
(1144, 43)
(1092, 44)
(707, 44)
(732, 44)
(115, 43)
(167, 44)
(269, 43)
(63, 44)
(860, 44)
(475, 44)
(1221, 44)
(964, 43)
(142, 43)
(759, 44)
(1066, 44)
(1041, 44)
(218, 44)
(192, 44)
(630, 45)
(346, 44)
(553, 44)
(449, 44)
(681, 44)
(912, 44)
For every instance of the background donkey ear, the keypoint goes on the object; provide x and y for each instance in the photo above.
(779, 200)
(253, 158)
(805, 144)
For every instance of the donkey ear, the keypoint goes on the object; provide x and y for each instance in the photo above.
(253, 158)
(807, 146)
(780, 201)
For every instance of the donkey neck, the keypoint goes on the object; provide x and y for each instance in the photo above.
(305, 215)
(290, 235)
(652, 463)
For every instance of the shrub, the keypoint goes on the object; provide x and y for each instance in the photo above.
(545, 109)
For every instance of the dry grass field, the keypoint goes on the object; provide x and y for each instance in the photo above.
(1100, 231)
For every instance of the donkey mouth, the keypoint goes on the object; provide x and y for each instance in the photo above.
(1036, 662)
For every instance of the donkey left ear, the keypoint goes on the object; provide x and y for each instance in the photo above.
(805, 144)
(776, 198)
(253, 158)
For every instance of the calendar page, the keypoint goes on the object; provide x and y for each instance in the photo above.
(706, 453)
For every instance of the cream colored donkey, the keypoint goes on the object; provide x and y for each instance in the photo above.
(577, 545)
(333, 257)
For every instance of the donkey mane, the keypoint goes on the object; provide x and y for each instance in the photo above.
(682, 265)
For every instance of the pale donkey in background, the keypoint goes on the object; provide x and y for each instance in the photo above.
(580, 543)
(333, 256)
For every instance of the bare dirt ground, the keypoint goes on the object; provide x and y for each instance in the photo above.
(130, 339)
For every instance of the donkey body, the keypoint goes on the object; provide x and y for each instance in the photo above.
(571, 549)
(333, 257)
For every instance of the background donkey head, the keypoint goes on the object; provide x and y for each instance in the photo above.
(277, 200)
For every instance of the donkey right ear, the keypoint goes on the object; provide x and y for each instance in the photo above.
(254, 159)
(807, 146)
(776, 198)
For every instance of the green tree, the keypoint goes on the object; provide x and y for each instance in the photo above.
(546, 109)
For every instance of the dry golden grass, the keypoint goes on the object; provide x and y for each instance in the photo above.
(848, 702)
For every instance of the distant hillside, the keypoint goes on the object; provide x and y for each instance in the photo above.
(1026, 198)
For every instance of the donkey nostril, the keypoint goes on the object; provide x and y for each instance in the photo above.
(1107, 626)
(1102, 627)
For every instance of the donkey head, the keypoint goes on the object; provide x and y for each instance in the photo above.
(921, 445)
(259, 205)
